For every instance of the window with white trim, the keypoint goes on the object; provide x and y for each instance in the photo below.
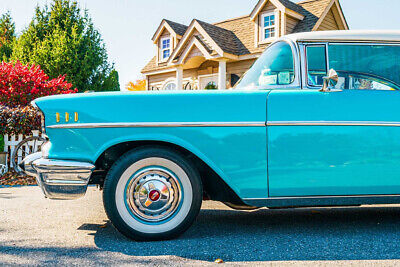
(170, 86)
(165, 48)
(268, 26)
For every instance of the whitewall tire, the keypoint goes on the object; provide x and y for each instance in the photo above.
(152, 194)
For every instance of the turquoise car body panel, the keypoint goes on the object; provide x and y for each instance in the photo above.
(237, 154)
(333, 160)
(321, 158)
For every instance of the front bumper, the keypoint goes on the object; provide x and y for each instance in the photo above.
(59, 179)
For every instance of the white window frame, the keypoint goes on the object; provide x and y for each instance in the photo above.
(263, 28)
(165, 49)
(168, 82)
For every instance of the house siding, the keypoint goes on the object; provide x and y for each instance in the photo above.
(155, 79)
(329, 23)
(208, 67)
(194, 52)
(290, 24)
(239, 67)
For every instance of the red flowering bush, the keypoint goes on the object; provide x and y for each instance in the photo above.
(20, 84)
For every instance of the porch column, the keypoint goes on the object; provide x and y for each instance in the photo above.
(222, 75)
(179, 78)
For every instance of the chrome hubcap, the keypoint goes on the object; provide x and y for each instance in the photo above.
(153, 194)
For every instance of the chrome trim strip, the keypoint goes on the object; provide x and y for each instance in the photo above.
(156, 124)
(65, 182)
(319, 197)
(333, 123)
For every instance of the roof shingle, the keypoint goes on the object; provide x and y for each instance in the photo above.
(224, 38)
(178, 28)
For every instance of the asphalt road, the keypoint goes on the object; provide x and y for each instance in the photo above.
(37, 231)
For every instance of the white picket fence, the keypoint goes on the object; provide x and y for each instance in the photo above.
(11, 141)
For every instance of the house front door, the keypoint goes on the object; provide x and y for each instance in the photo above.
(208, 81)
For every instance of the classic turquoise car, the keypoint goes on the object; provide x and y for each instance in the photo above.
(314, 122)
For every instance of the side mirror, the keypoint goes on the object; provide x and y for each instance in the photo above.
(331, 80)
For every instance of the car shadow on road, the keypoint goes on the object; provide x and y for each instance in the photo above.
(275, 235)
(6, 196)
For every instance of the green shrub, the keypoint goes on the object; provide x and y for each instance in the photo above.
(211, 86)
(1, 143)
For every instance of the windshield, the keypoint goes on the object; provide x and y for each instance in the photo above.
(274, 67)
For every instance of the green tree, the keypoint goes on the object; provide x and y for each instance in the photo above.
(7, 36)
(63, 40)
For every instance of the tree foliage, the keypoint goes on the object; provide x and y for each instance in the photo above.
(63, 40)
(7, 36)
(139, 85)
(20, 84)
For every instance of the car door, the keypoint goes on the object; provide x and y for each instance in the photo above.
(343, 142)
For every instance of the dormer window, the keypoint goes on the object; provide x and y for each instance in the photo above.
(165, 48)
(268, 26)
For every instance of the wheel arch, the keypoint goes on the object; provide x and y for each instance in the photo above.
(214, 185)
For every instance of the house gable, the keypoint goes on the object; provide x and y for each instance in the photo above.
(167, 30)
(220, 42)
(332, 18)
(194, 54)
(286, 16)
(284, 6)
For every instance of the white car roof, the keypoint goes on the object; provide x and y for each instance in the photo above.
(351, 35)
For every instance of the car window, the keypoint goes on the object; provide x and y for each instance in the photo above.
(366, 66)
(316, 64)
(274, 67)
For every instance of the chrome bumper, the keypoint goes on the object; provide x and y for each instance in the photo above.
(59, 179)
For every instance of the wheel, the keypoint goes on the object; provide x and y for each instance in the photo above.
(25, 148)
(152, 193)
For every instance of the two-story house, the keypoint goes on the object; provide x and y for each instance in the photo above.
(203, 55)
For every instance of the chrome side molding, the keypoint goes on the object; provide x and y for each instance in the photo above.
(156, 125)
(333, 123)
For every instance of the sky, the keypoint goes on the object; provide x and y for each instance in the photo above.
(127, 26)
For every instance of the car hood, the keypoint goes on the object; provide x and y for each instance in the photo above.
(179, 106)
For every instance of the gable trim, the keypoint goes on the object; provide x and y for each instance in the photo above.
(293, 14)
(194, 25)
(160, 29)
(341, 14)
(326, 11)
(193, 43)
(261, 3)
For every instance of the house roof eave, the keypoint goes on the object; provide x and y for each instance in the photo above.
(165, 24)
(261, 3)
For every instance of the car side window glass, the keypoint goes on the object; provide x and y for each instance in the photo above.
(366, 66)
(316, 64)
(274, 67)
